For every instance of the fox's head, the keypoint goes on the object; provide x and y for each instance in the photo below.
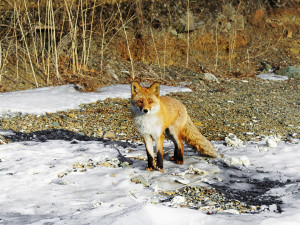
(144, 100)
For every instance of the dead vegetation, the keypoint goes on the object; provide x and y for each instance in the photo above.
(51, 42)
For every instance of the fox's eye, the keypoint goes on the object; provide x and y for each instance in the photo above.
(140, 101)
(150, 101)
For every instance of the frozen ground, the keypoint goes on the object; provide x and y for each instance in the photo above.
(67, 181)
(60, 98)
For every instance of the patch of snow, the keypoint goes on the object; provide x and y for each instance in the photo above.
(61, 98)
(272, 76)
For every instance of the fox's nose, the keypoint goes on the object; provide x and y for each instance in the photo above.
(145, 110)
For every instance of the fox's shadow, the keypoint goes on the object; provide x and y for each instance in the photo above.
(59, 134)
(254, 195)
(66, 135)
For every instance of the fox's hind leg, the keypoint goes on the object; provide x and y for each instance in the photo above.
(175, 137)
(160, 153)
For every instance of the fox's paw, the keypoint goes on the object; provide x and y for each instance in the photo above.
(179, 162)
(161, 170)
(150, 168)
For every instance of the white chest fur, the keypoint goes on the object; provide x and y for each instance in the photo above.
(148, 124)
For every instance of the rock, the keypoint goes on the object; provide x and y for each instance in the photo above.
(174, 32)
(189, 21)
(272, 141)
(208, 77)
(180, 36)
(290, 71)
(258, 16)
(140, 180)
(124, 165)
(109, 135)
(193, 170)
(238, 162)
(3, 140)
(178, 201)
(232, 140)
(182, 181)
(266, 67)
(113, 73)
(55, 123)
(231, 211)
(184, 24)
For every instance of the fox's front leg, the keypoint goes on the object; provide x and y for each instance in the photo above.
(150, 153)
(160, 153)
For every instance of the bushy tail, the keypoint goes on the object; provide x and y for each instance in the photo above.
(192, 136)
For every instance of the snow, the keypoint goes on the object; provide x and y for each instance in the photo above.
(45, 182)
(60, 98)
(272, 76)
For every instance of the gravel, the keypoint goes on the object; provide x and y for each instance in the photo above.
(250, 109)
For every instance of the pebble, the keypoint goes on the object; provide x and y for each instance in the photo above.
(232, 140)
(235, 161)
(208, 107)
(109, 135)
(272, 141)
(207, 199)
(178, 201)
(208, 77)
(139, 179)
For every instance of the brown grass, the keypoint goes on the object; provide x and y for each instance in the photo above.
(51, 42)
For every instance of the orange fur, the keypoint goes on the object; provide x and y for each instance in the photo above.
(155, 116)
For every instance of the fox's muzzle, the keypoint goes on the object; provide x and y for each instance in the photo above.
(144, 110)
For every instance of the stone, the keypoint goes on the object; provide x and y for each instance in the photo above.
(208, 77)
(184, 24)
(109, 135)
(174, 32)
(140, 180)
(3, 140)
(232, 140)
(290, 71)
(258, 16)
(55, 123)
(190, 21)
(178, 200)
(266, 67)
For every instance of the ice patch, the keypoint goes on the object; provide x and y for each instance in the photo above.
(272, 141)
(272, 76)
(232, 140)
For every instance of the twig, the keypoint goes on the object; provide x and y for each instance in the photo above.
(188, 35)
(127, 42)
(27, 49)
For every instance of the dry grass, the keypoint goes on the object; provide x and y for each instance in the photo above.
(49, 42)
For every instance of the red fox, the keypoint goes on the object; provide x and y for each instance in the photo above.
(156, 116)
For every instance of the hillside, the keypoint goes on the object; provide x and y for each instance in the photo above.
(94, 43)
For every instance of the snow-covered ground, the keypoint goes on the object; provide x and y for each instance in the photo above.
(60, 98)
(89, 182)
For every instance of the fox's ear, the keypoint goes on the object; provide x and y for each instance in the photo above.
(155, 88)
(135, 88)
